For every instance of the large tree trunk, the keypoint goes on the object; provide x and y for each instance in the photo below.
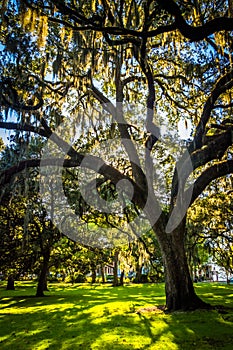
(179, 288)
(42, 282)
(180, 293)
(10, 283)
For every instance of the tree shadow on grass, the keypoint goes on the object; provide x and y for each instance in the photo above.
(96, 319)
(81, 329)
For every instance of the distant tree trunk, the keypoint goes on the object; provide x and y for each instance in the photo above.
(115, 268)
(10, 283)
(46, 282)
(122, 278)
(138, 276)
(102, 273)
(42, 283)
(93, 273)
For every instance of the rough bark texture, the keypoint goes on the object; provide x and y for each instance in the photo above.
(180, 293)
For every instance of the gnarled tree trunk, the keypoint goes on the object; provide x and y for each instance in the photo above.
(180, 293)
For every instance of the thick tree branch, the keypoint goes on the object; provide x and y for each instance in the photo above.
(195, 33)
(105, 102)
(79, 22)
(125, 40)
(215, 171)
(14, 103)
(80, 160)
(213, 150)
(151, 128)
(23, 127)
(223, 84)
(123, 128)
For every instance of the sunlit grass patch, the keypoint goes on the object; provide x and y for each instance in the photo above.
(102, 317)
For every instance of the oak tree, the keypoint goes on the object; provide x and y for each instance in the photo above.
(92, 59)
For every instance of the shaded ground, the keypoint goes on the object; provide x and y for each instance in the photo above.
(102, 317)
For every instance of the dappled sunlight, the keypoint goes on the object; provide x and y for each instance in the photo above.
(102, 317)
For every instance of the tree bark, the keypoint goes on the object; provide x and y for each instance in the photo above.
(138, 277)
(10, 283)
(122, 278)
(180, 293)
(93, 273)
(46, 283)
(102, 273)
(115, 269)
(42, 282)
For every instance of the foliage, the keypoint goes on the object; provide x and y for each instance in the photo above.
(15, 253)
(82, 65)
(73, 261)
(209, 232)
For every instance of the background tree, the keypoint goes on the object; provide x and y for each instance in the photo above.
(174, 57)
(210, 226)
(16, 256)
(27, 232)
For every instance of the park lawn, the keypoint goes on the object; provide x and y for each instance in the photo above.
(102, 317)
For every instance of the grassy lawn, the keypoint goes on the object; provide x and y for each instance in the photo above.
(102, 317)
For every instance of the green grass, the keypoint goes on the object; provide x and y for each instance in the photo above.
(102, 317)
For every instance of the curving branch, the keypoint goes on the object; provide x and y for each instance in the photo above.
(80, 160)
(9, 97)
(123, 126)
(222, 85)
(104, 101)
(190, 32)
(229, 105)
(18, 106)
(45, 132)
(215, 171)
(79, 22)
(23, 127)
(214, 149)
(58, 87)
